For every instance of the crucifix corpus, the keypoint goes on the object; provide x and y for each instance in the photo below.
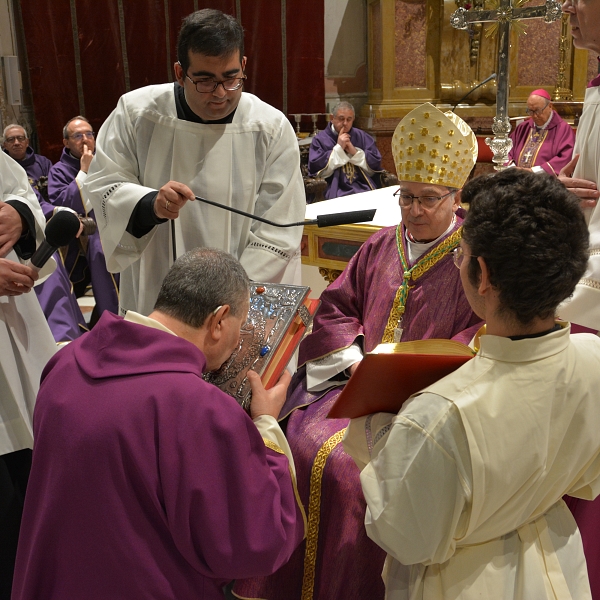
(503, 14)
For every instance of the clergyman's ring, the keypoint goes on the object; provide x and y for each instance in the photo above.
(167, 204)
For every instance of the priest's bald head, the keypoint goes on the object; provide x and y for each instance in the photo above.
(210, 63)
(539, 107)
(434, 154)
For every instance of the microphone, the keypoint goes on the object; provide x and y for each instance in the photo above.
(60, 230)
(492, 76)
(345, 218)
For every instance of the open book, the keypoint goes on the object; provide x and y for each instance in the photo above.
(277, 321)
(388, 376)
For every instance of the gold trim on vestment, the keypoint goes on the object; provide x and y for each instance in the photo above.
(417, 270)
(590, 283)
(540, 142)
(314, 513)
(273, 446)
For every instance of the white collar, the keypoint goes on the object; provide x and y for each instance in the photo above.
(418, 249)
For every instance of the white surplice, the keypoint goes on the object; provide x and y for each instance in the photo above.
(252, 164)
(26, 342)
(584, 306)
(464, 485)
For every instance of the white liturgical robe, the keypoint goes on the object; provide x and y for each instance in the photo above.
(584, 306)
(26, 342)
(464, 485)
(252, 164)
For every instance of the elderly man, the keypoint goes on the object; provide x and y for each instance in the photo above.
(26, 344)
(400, 285)
(203, 136)
(345, 156)
(544, 142)
(156, 483)
(55, 294)
(464, 485)
(65, 189)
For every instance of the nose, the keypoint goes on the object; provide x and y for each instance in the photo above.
(567, 6)
(220, 90)
(415, 208)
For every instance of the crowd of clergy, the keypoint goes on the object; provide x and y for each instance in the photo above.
(124, 474)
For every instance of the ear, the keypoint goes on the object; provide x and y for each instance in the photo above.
(456, 200)
(215, 322)
(243, 64)
(179, 74)
(484, 286)
(65, 142)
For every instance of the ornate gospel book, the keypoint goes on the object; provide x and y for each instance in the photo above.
(388, 376)
(278, 318)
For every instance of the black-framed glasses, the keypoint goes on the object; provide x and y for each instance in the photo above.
(209, 85)
(15, 138)
(79, 136)
(536, 111)
(428, 201)
(458, 254)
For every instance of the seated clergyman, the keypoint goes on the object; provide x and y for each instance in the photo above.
(147, 481)
(464, 486)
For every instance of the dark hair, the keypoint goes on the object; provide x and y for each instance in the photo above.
(532, 234)
(209, 32)
(199, 282)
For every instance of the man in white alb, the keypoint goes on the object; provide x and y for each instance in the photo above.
(201, 136)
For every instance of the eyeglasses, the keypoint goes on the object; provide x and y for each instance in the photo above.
(406, 200)
(537, 111)
(79, 136)
(459, 256)
(209, 85)
(15, 138)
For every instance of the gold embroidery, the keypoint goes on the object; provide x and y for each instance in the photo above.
(273, 446)
(349, 172)
(590, 283)
(314, 513)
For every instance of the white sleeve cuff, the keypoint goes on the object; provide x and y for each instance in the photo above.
(319, 372)
(269, 430)
(360, 160)
(80, 179)
(537, 169)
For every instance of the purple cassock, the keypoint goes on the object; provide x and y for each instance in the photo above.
(349, 179)
(550, 148)
(63, 190)
(55, 294)
(147, 482)
(338, 560)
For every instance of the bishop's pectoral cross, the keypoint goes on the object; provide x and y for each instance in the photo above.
(502, 15)
(527, 156)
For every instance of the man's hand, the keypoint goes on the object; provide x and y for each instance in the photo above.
(353, 368)
(11, 228)
(86, 158)
(586, 190)
(343, 139)
(171, 199)
(15, 278)
(267, 402)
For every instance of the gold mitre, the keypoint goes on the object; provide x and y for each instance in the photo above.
(430, 146)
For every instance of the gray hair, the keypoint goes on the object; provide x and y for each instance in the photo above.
(11, 126)
(66, 127)
(344, 106)
(209, 32)
(199, 282)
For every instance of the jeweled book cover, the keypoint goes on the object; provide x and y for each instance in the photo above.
(278, 318)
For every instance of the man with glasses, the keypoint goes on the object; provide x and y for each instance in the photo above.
(345, 156)
(84, 262)
(401, 285)
(55, 294)
(204, 136)
(544, 142)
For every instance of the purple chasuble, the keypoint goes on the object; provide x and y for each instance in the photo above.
(147, 482)
(348, 179)
(63, 190)
(347, 564)
(552, 150)
(55, 294)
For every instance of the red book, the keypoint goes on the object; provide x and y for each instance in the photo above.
(388, 376)
(278, 318)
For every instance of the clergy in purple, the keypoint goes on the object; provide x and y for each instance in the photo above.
(545, 141)
(345, 156)
(402, 284)
(148, 482)
(55, 294)
(64, 189)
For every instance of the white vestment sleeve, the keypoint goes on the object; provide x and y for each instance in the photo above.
(319, 372)
(338, 158)
(269, 429)
(418, 483)
(360, 160)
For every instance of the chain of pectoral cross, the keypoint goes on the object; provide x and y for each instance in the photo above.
(503, 14)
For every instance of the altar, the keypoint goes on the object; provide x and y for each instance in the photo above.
(330, 248)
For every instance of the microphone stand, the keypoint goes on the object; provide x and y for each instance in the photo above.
(329, 220)
(492, 76)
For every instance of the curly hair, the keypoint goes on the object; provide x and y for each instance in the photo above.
(532, 234)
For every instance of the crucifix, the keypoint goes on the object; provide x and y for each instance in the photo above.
(503, 14)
